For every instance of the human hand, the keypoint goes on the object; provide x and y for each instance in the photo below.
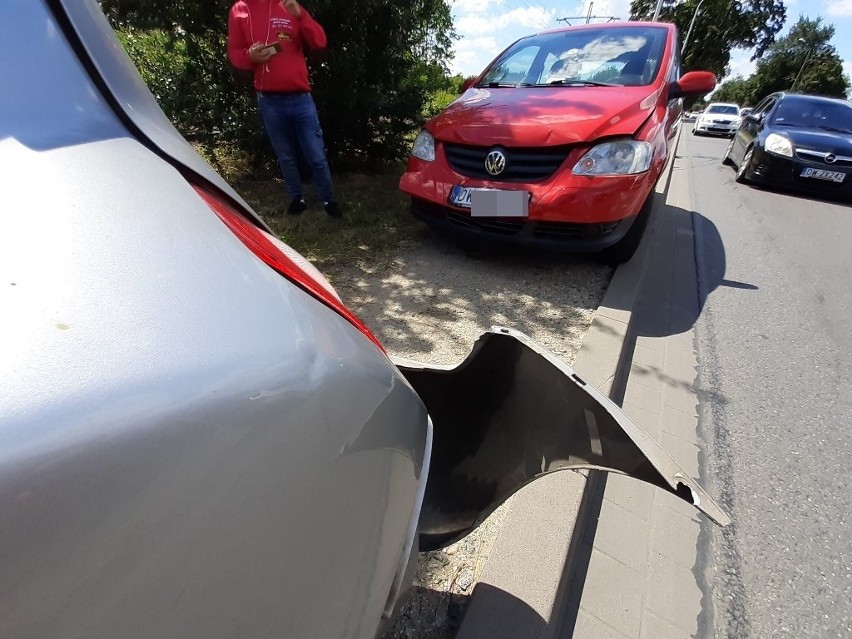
(260, 53)
(293, 7)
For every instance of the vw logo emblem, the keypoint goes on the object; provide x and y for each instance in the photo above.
(831, 158)
(495, 162)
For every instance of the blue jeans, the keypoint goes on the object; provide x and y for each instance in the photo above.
(292, 125)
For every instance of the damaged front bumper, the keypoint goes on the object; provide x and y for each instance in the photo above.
(513, 412)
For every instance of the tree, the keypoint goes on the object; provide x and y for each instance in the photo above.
(807, 49)
(371, 84)
(738, 90)
(720, 26)
(804, 57)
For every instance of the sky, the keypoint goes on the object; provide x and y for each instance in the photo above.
(487, 27)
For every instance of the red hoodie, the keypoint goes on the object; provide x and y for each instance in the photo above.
(268, 22)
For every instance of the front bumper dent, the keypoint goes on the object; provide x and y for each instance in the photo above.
(512, 412)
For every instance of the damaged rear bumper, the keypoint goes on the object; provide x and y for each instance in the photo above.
(512, 412)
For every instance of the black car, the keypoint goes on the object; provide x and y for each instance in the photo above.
(801, 142)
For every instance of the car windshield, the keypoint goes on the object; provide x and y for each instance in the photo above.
(725, 109)
(814, 114)
(608, 56)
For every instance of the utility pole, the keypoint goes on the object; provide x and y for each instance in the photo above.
(657, 11)
(802, 68)
(689, 31)
(589, 14)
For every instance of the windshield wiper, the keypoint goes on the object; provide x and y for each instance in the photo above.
(579, 83)
(499, 85)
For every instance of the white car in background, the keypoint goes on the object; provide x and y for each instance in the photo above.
(719, 118)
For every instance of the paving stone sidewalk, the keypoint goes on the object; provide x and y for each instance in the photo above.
(645, 576)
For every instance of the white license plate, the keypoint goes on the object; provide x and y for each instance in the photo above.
(491, 202)
(822, 174)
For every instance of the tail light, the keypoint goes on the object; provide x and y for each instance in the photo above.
(284, 260)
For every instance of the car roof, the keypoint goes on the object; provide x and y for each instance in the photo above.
(723, 104)
(609, 25)
(814, 98)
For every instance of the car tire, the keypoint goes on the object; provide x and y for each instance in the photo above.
(624, 249)
(726, 159)
(745, 165)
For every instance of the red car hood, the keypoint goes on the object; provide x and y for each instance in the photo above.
(543, 116)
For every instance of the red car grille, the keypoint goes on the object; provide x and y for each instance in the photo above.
(522, 164)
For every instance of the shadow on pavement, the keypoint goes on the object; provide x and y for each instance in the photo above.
(429, 614)
(686, 262)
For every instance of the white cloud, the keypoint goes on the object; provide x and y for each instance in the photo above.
(614, 8)
(838, 7)
(474, 6)
(472, 54)
(741, 65)
(486, 27)
(533, 18)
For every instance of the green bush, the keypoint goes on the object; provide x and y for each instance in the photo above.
(438, 101)
(370, 85)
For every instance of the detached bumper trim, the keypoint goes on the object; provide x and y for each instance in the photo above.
(512, 412)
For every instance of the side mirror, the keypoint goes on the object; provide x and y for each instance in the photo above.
(692, 84)
(467, 84)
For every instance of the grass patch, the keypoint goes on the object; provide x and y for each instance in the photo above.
(376, 218)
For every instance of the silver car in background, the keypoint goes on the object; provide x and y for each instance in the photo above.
(197, 438)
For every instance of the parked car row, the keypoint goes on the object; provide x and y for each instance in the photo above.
(802, 142)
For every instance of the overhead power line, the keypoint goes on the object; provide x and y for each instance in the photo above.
(588, 17)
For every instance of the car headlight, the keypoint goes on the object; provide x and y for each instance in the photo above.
(625, 157)
(779, 145)
(424, 146)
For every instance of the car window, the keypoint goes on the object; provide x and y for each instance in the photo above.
(723, 109)
(628, 56)
(514, 70)
(765, 106)
(815, 114)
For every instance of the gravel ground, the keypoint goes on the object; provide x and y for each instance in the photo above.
(430, 302)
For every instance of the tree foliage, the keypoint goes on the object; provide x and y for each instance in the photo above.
(372, 85)
(721, 25)
(805, 56)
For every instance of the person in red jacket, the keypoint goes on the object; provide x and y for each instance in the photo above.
(268, 38)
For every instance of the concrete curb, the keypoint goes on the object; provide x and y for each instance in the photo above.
(522, 591)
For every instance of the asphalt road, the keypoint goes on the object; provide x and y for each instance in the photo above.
(774, 344)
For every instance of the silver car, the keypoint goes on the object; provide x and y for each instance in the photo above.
(197, 438)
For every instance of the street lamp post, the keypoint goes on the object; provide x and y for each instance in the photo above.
(689, 31)
(802, 68)
(657, 11)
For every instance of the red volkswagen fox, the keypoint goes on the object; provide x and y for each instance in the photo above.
(559, 142)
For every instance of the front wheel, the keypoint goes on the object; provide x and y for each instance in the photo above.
(624, 249)
(745, 165)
